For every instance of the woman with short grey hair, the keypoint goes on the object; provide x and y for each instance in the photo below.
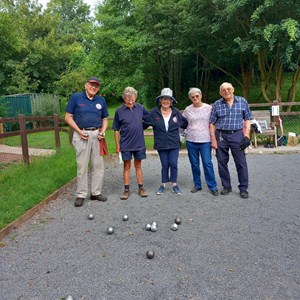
(198, 141)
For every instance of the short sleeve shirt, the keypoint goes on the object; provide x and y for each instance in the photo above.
(230, 118)
(129, 122)
(87, 113)
(198, 123)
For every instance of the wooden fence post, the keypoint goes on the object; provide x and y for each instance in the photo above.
(1, 131)
(56, 130)
(71, 135)
(24, 141)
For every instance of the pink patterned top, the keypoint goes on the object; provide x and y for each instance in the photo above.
(198, 127)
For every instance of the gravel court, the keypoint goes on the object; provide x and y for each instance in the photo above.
(225, 248)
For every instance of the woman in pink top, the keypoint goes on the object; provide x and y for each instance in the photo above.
(198, 141)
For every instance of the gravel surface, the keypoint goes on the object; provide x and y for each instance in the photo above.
(225, 248)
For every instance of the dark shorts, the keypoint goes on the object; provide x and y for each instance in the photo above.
(138, 155)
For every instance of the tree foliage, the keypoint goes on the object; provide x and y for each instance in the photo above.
(150, 45)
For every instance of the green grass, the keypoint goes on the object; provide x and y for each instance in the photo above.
(43, 140)
(23, 187)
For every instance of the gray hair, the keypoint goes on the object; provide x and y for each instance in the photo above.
(226, 84)
(194, 91)
(129, 91)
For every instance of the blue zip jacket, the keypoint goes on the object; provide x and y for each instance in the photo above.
(165, 140)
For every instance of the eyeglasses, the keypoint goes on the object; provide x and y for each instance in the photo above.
(195, 96)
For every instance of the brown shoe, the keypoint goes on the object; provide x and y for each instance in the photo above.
(98, 197)
(78, 201)
(125, 195)
(142, 193)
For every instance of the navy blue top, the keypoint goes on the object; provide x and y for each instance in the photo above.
(130, 124)
(230, 118)
(87, 113)
(165, 140)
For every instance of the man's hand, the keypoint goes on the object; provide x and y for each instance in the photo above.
(245, 142)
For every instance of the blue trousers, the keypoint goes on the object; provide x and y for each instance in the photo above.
(231, 141)
(169, 164)
(204, 150)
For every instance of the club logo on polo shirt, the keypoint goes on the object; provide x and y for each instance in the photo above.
(98, 106)
(175, 119)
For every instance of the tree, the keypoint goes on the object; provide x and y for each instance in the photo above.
(277, 45)
(49, 39)
(11, 42)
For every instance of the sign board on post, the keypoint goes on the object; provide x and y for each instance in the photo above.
(275, 110)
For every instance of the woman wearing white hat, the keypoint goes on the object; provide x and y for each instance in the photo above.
(166, 121)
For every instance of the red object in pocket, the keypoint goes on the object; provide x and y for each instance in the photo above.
(103, 147)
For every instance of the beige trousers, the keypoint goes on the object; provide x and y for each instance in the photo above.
(88, 151)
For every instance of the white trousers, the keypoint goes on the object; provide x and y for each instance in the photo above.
(88, 151)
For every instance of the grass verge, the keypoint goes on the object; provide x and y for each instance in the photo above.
(23, 187)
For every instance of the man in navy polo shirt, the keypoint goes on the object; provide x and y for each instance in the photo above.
(230, 123)
(129, 138)
(87, 114)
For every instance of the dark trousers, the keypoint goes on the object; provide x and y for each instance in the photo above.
(169, 162)
(226, 142)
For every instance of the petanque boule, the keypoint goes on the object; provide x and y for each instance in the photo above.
(177, 221)
(110, 230)
(153, 228)
(154, 224)
(69, 298)
(125, 218)
(91, 217)
(148, 227)
(150, 254)
(174, 227)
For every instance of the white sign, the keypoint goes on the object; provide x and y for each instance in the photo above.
(275, 110)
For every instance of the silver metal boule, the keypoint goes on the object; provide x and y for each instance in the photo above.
(154, 224)
(178, 221)
(110, 230)
(147, 227)
(150, 254)
(174, 227)
(91, 217)
(153, 228)
(69, 298)
(125, 218)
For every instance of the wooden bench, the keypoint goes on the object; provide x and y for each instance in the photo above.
(269, 128)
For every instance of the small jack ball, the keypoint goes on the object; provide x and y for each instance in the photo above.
(91, 217)
(110, 230)
(150, 254)
(178, 221)
(125, 218)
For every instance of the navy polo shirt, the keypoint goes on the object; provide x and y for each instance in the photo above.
(87, 113)
(130, 124)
